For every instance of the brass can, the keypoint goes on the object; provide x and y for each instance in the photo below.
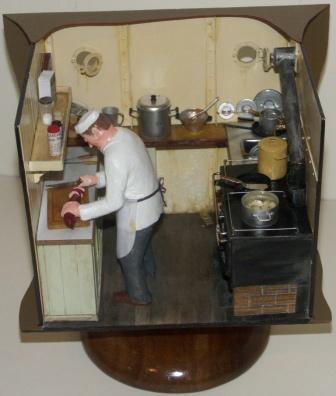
(272, 157)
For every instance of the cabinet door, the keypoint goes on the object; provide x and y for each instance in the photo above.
(67, 282)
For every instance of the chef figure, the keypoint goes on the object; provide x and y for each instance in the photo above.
(132, 191)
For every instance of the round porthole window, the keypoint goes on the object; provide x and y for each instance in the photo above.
(246, 54)
(88, 62)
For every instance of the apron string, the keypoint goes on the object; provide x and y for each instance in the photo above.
(160, 189)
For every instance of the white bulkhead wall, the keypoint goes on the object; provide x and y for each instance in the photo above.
(189, 61)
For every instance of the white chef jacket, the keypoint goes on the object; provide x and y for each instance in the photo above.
(128, 176)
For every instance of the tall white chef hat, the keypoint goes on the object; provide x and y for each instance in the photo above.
(87, 120)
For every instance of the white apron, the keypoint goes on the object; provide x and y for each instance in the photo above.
(126, 227)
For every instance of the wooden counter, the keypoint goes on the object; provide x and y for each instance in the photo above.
(80, 235)
(69, 261)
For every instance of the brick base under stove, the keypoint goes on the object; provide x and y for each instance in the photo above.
(264, 300)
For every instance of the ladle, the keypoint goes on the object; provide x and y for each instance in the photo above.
(197, 114)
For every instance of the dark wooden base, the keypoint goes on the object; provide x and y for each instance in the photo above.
(180, 361)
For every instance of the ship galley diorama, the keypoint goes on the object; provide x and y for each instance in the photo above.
(225, 102)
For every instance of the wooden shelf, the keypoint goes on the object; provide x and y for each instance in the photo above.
(41, 161)
(212, 135)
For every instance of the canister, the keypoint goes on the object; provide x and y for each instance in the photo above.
(272, 157)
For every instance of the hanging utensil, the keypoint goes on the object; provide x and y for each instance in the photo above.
(197, 114)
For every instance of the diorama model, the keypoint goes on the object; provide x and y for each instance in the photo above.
(222, 105)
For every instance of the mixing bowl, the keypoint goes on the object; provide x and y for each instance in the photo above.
(192, 123)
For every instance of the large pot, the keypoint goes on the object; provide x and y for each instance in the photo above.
(260, 209)
(153, 114)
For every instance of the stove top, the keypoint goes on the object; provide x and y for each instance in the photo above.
(286, 224)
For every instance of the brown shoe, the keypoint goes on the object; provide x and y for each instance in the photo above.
(123, 298)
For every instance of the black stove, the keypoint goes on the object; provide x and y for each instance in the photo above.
(261, 262)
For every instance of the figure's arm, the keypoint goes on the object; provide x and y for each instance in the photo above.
(101, 179)
(97, 180)
(115, 182)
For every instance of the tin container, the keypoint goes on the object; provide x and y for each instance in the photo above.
(272, 157)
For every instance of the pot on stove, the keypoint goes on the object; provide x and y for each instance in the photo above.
(260, 209)
(153, 114)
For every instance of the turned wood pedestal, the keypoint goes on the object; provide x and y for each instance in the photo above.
(177, 361)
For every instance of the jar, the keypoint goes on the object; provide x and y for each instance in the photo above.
(46, 110)
(272, 157)
(59, 124)
(54, 140)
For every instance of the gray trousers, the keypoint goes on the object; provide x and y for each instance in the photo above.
(137, 265)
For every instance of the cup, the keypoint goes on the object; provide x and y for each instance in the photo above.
(268, 121)
(113, 113)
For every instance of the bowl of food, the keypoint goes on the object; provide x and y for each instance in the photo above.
(194, 119)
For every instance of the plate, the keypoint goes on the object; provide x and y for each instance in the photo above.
(268, 99)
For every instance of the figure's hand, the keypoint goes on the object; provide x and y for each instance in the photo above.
(70, 207)
(88, 180)
(76, 194)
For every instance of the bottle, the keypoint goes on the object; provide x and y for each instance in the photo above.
(46, 110)
(54, 140)
(60, 124)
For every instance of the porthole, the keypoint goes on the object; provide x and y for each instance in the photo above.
(246, 54)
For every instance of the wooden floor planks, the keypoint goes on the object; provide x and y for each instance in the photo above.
(185, 285)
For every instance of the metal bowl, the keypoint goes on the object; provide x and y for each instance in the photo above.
(193, 124)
